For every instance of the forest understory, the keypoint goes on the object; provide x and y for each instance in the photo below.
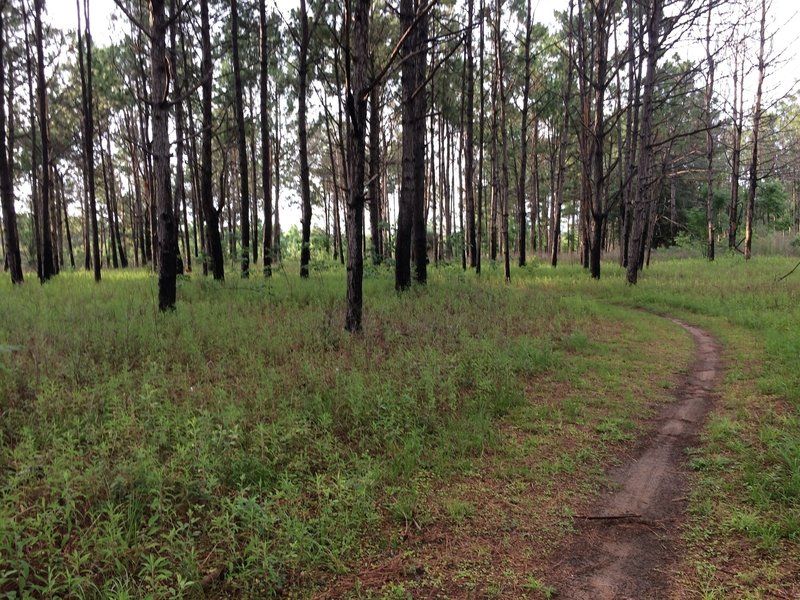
(246, 446)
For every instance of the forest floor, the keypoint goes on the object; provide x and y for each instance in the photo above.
(246, 447)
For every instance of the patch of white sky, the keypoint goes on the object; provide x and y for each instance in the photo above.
(108, 23)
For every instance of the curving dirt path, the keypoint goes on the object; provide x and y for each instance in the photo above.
(624, 546)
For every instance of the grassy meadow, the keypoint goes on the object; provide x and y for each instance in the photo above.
(245, 446)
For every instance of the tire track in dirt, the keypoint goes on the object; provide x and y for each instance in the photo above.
(624, 547)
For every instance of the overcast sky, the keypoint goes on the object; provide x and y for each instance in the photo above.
(782, 79)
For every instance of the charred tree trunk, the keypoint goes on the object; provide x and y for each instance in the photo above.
(411, 213)
(10, 232)
(167, 264)
(210, 212)
(357, 92)
(602, 17)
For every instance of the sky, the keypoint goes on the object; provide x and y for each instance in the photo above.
(783, 21)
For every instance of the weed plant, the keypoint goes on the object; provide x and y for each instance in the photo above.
(245, 445)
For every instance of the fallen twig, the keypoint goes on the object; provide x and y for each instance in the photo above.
(789, 273)
(608, 517)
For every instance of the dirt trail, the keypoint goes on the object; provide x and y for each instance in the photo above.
(624, 545)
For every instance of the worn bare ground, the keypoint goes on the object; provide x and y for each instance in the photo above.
(624, 547)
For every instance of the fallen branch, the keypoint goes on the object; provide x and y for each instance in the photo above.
(789, 273)
(608, 517)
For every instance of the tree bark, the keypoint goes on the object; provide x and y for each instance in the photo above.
(180, 183)
(66, 215)
(736, 150)
(640, 204)
(469, 142)
(482, 102)
(751, 192)
(411, 210)
(88, 130)
(10, 231)
(167, 264)
(210, 212)
(302, 134)
(244, 184)
(48, 263)
(266, 150)
(503, 127)
(710, 227)
(375, 175)
(357, 92)
(522, 225)
(555, 238)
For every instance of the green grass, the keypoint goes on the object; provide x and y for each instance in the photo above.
(745, 533)
(247, 435)
(246, 432)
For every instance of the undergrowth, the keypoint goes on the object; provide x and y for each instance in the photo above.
(246, 445)
(245, 439)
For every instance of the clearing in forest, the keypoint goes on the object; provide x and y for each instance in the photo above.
(246, 446)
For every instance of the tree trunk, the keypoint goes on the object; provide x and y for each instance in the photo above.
(11, 234)
(107, 191)
(244, 184)
(374, 175)
(357, 93)
(167, 264)
(503, 127)
(469, 143)
(736, 150)
(602, 17)
(302, 135)
(210, 212)
(266, 151)
(751, 192)
(709, 140)
(88, 131)
(479, 231)
(34, 177)
(276, 244)
(64, 208)
(555, 238)
(640, 206)
(522, 225)
(114, 215)
(180, 185)
(48, 264)
(411, 211)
